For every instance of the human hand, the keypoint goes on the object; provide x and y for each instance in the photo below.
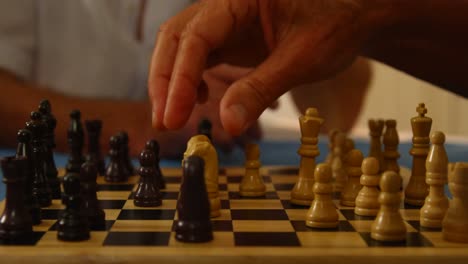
(288, 41)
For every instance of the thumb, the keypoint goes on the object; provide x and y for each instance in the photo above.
(246, 99)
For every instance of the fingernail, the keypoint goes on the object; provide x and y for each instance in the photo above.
(239, 114)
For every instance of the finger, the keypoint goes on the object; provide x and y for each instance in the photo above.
(247, 98)
(203, 92)
(274, 105)
(229, 73)
(200, 37)
(162, 62)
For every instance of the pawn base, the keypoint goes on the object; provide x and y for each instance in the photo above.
(147, 202)
(194, 232)
(366, 211)
(415, 202)
(301, 202)
(430, 223)
(252, 193)
(316, 224)
(388, 237)
(348, 203)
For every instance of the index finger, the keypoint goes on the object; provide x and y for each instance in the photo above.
(208, 30)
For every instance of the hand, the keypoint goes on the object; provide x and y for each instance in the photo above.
(288, 41)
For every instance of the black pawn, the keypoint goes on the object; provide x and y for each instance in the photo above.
(204, 128)
(193, 206)
(49, 138)
(75, 137)
(72, 223)
(15, 222)
(30, 199)
(147, 193)
(94, 128)
(91, 208)
(153, 145)
(41, 187)
(115, 171)
(126, 153)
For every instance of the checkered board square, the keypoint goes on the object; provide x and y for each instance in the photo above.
(270, 224)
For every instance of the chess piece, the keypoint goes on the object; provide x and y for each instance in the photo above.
(91, 207)
(252, 183)
(310, 123)
(200, 145)
(204, 128)
(75, 137)
(49, 140)
(331, 146)
(72, 223)
(391, 141)
(417, 189)
(348, 145)
(30, 198)
(193, 206)
(375, 148)
(115, 171)
(125, 152)
(94, 128)
(389, 225)
(153, 145)
(455, 222)
(41, 187)
(16, 221)
(322, 212)
(147, 193)
(354, 172)
(338, 167)
(367, 203)
(436, 203)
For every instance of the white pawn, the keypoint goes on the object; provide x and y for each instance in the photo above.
(354, 172)
(367, 203)
(455, 223)
(436, 203)
(389, 225)
(252, 183)
(322, 212)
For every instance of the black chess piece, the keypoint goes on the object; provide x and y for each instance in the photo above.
(130, 170)
(75, 136)
(147, 193)
(91, 208)
(94, 128)
(30, 198)
(72, 223)
(204, 128)
(115, 171)
(49, 137)
(16, 221)
(153, 145)
(41, 187)
(193, 206)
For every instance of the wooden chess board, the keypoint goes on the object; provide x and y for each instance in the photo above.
(249, 230)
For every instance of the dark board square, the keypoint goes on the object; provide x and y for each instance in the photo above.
(343, 226)
(27, 240)
(409, 206)
(222, 187)
(266, 179)
(107, 227)
(112, 204)
(413, 239)
(50, 214)
(217, 225)
(234, 178)
(350, 215)
(267, 214)
(288, 205)
(152, 214)
(137, 239)
(165, 195)
(115, 187)
(173, 179)
(268, 195)
(284, 186)
(281, 171)
(417, 226)
(225, 204)
(270, 239)
(336, 196)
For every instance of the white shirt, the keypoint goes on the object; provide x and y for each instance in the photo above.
(83, 48)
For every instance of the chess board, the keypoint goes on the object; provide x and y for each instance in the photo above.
(249, 230)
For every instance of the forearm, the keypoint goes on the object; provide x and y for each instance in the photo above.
(425, 38)
(339, 100)
(19, 98)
